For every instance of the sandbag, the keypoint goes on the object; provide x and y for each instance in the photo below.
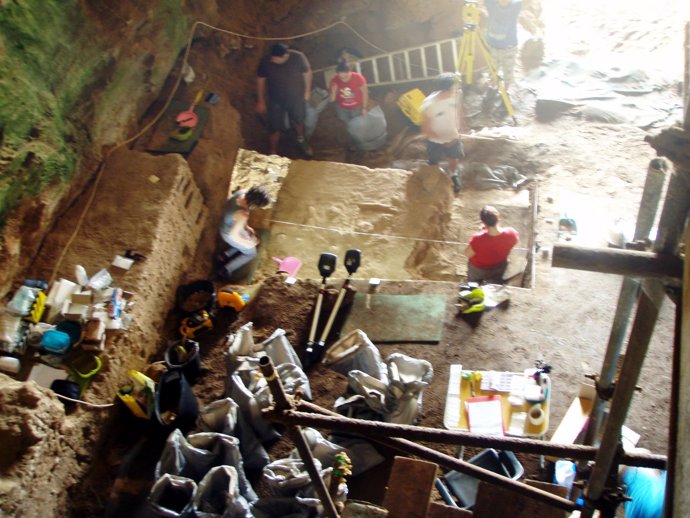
(224, 416)
(218, 495)
(194, 456)
(316, 104)
(173, 497)
(355, 351)
(288, 477)
(369, 131)
(279, 349)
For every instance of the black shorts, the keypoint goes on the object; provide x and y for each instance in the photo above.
(436, 152)
(281, 114)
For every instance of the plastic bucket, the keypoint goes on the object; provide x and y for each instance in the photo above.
(184, 355)
(175, 404)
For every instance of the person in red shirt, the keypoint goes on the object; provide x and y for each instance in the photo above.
(349, 92)
(489, 249)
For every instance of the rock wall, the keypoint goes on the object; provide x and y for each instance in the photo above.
(147, 203)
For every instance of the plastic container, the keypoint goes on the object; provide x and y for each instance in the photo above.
(184, 355)
(10, 364)
(175, 404)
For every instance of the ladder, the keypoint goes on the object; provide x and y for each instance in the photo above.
(407, 65)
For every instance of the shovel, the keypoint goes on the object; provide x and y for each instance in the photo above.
(188, 118)
(327, 264)
(352, 260)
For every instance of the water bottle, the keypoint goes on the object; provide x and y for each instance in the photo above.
(21, 302)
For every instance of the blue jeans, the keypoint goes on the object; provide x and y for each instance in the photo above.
(347, 114)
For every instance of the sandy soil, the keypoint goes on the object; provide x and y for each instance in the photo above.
(589, 163)
(580, 164)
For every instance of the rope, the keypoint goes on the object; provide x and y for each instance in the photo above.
(101, 165)
(373, 234)
(94, 405)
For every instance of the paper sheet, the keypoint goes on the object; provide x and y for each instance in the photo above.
(485, 415)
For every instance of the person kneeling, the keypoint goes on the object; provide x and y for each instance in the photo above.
(236, 232)
(489, 249)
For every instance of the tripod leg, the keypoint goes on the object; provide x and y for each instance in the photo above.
(499, 81)
(468, 46)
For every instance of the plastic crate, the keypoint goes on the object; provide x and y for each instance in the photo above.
(410, 103)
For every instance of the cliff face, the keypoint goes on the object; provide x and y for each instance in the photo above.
(75, 78)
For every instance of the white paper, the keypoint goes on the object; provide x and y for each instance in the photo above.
(485, 417)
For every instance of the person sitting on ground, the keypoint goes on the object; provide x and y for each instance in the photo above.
(441, 123)
(488, 250)
(236, 232)
(646, 487)
(283, 86)
(349, 92)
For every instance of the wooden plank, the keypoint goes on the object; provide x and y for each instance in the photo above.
(493, 501)
(409, 488)
(622, 262)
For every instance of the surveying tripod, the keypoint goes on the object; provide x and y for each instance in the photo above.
(468, 45)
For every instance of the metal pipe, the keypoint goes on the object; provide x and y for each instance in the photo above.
(651, 298)
(649, 206)
(283, 404)
(374, 430)
(452, 463)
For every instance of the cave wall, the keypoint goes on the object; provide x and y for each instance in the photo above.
(75, 77)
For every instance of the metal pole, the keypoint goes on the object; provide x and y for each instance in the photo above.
(649, 205)
(452, 463)
(282, 404)
(651, 298)
(375, 430)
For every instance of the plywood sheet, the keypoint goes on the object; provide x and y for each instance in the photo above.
(397, 318)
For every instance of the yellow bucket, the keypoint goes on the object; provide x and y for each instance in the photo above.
(410, 103)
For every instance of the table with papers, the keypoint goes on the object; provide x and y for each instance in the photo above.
(500, 404)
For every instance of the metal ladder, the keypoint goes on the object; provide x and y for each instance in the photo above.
(407, 65)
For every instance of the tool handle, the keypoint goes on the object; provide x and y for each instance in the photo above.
(197, 99)
(334, 312)
(315, 320)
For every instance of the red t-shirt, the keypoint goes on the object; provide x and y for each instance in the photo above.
(349, 93)
(492, 250)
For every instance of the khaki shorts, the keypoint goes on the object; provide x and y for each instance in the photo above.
(504, 60)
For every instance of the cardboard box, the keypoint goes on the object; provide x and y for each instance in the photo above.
(575, 419)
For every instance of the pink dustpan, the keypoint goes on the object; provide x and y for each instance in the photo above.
(289, 265)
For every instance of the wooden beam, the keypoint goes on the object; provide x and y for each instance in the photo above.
(613, 260)
(680, 499)
(686, 82)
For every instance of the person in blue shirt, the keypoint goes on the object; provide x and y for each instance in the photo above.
(646, 488)
(239, 238)
(501, 35)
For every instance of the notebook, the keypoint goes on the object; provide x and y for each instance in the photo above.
(485, 415)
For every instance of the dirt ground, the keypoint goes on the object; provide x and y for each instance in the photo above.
(619, 71)
(588, 164)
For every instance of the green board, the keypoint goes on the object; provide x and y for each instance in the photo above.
(397, 318)
(161, 141)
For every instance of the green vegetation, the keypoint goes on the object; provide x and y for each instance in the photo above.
(59, 86)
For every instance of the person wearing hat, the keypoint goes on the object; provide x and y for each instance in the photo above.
(283, 86)
(488, 250)
(441, 122)
(349, 92)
